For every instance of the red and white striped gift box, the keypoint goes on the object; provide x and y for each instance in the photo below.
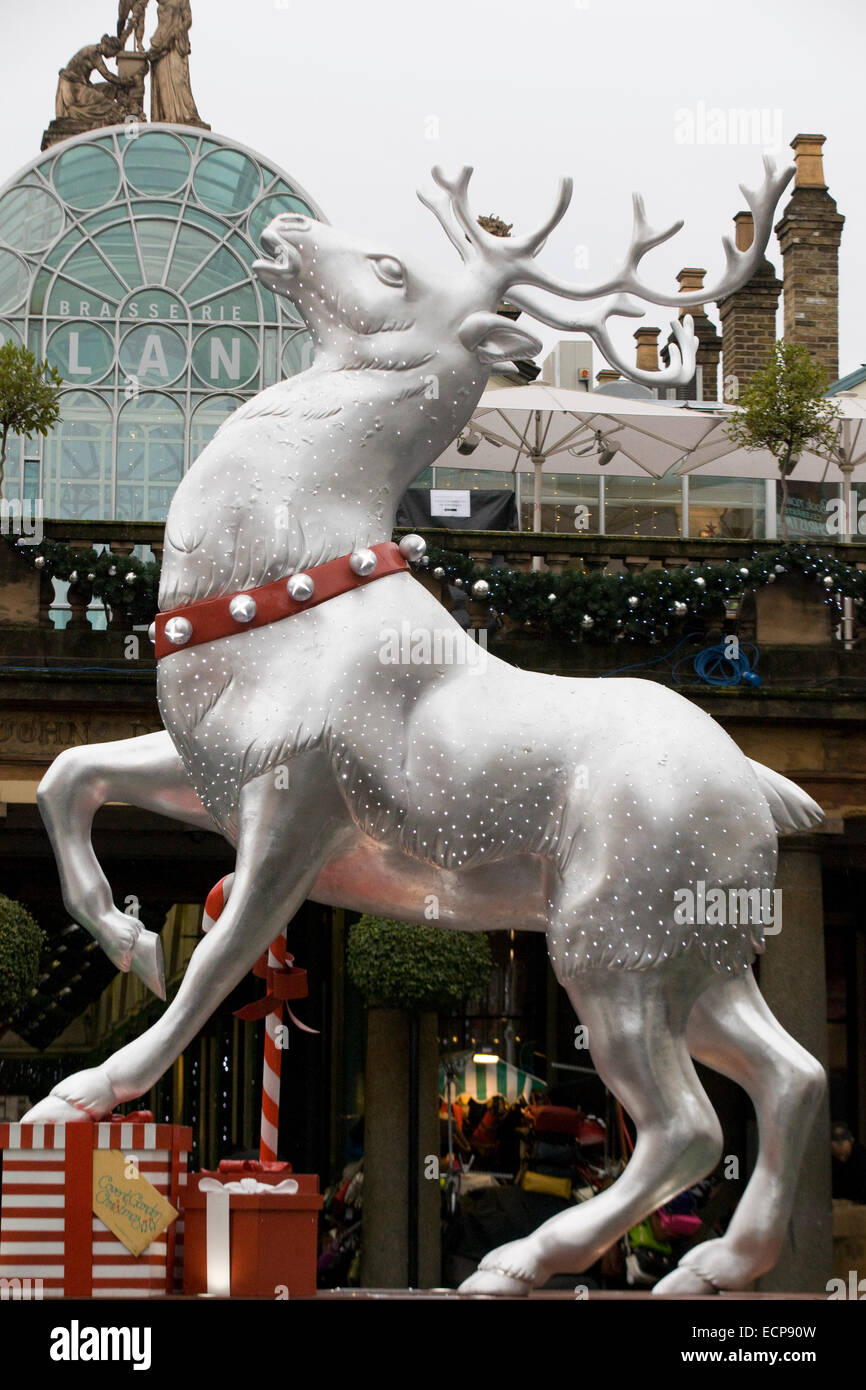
(47, 1227)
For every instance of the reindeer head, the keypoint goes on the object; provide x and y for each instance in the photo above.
(366, 306)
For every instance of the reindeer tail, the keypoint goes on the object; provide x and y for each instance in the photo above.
(791, 808)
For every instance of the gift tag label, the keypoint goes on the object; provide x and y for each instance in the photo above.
(126, 1202)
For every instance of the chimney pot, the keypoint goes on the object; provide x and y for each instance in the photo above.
(809, 161)
(744, 230)
(647, 340)
(607, 374)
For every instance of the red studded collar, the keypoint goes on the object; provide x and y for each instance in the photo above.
(195, 623)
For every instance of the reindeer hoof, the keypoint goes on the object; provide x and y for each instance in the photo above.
(147, 962)
(87, 1095)
(491, 1283)
(683, 1280)
(54, 1111)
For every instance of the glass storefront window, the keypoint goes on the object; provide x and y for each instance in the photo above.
(78, 459)
(150, 449)
(569, 502)
(643, 506)
(807, 511)
(727, 508)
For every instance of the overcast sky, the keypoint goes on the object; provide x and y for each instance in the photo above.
(356, 99)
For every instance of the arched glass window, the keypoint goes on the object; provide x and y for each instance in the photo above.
(126, 258)
(78, 459)
(207, 420)
(150, 447)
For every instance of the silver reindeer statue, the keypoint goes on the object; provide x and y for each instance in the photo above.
(527, 801)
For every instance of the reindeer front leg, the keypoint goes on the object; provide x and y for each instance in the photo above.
(284, 838)
(146, 772)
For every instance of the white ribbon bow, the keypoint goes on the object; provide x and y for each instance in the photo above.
(218, 1223)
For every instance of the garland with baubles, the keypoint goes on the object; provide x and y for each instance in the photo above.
(648, 607)
(123, 583)
(571, 605)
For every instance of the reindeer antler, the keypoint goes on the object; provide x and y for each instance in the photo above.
(509, 262)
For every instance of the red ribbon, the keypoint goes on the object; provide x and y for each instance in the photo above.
(285, 981)
(251, 1165)
(135, 1117)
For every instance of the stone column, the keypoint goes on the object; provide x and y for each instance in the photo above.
(793, 982)
(748, 318)
(809, 233)
(384, 1260)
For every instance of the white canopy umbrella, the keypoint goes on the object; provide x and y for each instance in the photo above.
(524, 428)
(718, 455)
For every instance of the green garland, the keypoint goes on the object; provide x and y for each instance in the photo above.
(125, 584)
(648, 607)
(570, 606)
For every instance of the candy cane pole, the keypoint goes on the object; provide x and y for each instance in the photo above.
(274, 1033)
(270, 1127)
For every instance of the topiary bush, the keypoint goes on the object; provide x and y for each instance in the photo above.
(399, 966)
(21, 943)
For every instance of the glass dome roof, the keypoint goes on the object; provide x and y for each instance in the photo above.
(126, 259)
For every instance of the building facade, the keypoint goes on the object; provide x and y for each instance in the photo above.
(126, 259)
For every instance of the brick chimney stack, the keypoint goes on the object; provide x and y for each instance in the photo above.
(809, 233)
(647, 340)
(709, 343)
(605, 375)
(748, 317)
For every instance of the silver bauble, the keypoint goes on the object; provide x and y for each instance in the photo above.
(828, 581)
(178, 631)
(73, 577)
(459, 583)
(363, 562)
(700, 582)
(243, 608)
(633, 600)
(587, 621)
(439, 572)
(771, 579)
(39, 562)
(301, 588)
(780, 569)
(551, 598)
(744, 572)
(130, 577)
(151, 632)
(412, 547)
(680, 608)
(480, 589)
(112, 570)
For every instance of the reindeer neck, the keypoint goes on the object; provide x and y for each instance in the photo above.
(308, 470)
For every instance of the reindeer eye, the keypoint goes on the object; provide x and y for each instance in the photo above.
(389, 270)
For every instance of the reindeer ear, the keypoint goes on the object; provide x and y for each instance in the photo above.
(496, 339)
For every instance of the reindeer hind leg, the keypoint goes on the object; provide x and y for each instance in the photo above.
(636, 1022)
(732, 1030)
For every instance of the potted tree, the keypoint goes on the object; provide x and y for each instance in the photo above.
(21, 943)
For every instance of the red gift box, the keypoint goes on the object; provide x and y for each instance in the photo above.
(254, 1243)
(48, 1231)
